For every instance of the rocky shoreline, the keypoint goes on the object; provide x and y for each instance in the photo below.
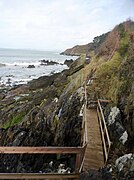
(11, 80)
(40, 113)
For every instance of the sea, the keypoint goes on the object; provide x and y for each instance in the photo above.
(14, 65)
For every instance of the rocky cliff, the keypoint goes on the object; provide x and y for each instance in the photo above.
(86, 49)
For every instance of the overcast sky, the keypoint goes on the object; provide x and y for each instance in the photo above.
(58, 24)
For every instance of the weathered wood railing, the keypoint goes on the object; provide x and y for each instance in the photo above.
(103, 128)
(84, 138)
(78, 151)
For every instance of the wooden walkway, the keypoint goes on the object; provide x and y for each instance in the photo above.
(92, 154)
(94, 157)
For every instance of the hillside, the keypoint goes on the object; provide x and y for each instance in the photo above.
(112, 69)
(114, 72)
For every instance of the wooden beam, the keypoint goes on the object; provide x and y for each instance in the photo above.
(83, 158)
(37, 176)
(78, 162)
(40, 150)
(105, 100)
(86, 133)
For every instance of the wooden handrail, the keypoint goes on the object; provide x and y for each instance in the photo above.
(79, 151)
(84, 128)
(40, 150)
(85, 120)
(104, 100)
(86, 135)
(103, 128)
(109, 142)
(38, 176)
(102, 134)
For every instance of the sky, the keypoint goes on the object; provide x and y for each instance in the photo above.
(58, 24)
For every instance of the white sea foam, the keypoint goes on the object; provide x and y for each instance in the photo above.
(23, 64)
(17, 61)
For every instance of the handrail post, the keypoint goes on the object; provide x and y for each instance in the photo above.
(78, 160)
(82, 157)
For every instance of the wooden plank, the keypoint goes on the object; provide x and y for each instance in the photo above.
(37, 176)
(83, 158)
(94, 157)
(104, 100)
(40, 150)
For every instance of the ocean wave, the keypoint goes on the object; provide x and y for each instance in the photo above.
(23, 64)
(1, 65)
(6, 81)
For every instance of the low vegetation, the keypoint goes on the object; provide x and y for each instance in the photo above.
(15, 120)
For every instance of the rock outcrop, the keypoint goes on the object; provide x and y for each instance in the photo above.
(31, 66)
(68, 62)
(48, 63)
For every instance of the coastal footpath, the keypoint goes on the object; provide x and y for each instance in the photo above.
(46, 111)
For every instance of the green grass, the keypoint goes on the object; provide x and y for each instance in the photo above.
(124, 45)
(107, 69)
(15, 120)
